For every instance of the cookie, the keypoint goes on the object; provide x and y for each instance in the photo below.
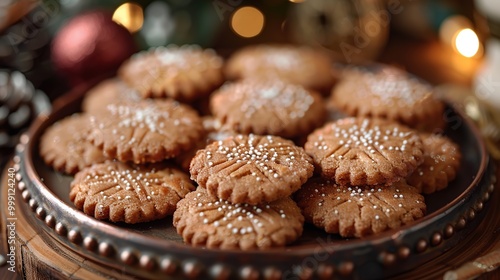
(184, 73)
(359, 211)
(108, 92)
(300, 65)
(120, 192)
(203, 220)
(362, 151)
(251, 169)
(264, 106)
(64, 145)
(440, 166)
(145, 131)
(386, 92)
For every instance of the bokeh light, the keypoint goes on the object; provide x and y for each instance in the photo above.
(467, 42)
(130, 15)
(457, 31)
(247, 22)
(159, 25)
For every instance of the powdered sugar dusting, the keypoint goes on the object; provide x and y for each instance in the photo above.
(240, 219)
(188, 56)
(285, 59)
(117, 183)
(171, 58)
(372, 138)
(147, 115)
(263, 152)
(392, 86)
(255, 97)
(150, 117)
(185, 57)
(385, 201)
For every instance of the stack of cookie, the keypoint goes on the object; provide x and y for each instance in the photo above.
(386, 92)
(243, 198)
(363, 163)
(374, 168)
(246, 180)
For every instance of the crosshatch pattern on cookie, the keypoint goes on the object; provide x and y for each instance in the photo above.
(361, 151)
(185, 73)
(357, 211)
(65, 147)
(203, 220)
(251, 169)
(268, 107)
(146, 131)
(441, 163)
(119, 192)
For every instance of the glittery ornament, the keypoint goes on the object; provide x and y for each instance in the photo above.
(91, 45)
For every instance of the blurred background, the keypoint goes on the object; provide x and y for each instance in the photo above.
(48, 47)
(447, 33)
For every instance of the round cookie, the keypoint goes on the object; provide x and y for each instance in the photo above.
(184, 73)
(203, 220)
(300, 65)
(145, 131)
(251, 169)
(264, 106)
(440, 166)
(120, 192)
(359, 211)
(361, 151)
(65, 147)
(386, 92)
(107, 92)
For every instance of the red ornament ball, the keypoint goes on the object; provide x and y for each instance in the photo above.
(91, 45)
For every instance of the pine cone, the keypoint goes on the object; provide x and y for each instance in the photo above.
(20, 103)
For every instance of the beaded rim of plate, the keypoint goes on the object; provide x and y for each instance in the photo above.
(102, 246)
(71, 227)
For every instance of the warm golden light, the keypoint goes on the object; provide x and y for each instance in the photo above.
(296, 1)
(451, 26)
(130, 15)
(467, 42)
(247, 22)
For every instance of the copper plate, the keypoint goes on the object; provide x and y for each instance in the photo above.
(154, 250)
